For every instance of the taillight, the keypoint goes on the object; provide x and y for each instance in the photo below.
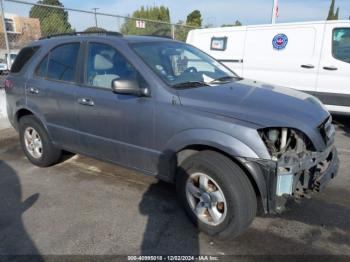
(8, 84)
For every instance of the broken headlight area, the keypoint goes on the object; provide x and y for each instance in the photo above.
(279, 141)
(301, 170)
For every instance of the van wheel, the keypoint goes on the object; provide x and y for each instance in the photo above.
(216, 194)
(36, 143)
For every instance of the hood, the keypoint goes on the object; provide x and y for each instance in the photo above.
(261, 104)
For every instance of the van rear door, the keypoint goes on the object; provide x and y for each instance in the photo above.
(286, 55)
(333, 85)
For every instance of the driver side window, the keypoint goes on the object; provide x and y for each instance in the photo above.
(105, 64)
(341, 44)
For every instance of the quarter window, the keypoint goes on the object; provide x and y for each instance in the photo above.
(62, 62)
(23, 57)
(341, 44)
(104, 64)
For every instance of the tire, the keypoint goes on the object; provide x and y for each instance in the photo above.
(237, 203)
(49, 154)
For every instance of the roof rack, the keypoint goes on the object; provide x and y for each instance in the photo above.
(107, 33)
(160, 36)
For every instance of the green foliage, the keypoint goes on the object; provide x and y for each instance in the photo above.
(336, 16)
(194, 19)
(237, 23)
(181, 31)
(152, 28)
(93, 29)
(331, 14)
(52, 20)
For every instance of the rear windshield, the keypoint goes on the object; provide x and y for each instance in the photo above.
(23, 57)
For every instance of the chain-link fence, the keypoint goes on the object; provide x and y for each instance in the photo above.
(23, 22)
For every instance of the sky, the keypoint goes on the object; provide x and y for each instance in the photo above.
(215, 12)
(225, 11)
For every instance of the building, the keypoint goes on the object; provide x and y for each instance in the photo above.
(20, 31)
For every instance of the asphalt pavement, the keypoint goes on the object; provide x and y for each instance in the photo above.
(84, 206)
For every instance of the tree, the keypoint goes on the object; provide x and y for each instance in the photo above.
(331, 14)
(53, 24)
(336, 16)
(151, 28)
(52, 20)
(94, 29)
(194, 19)
(181, 30)
(237, 23)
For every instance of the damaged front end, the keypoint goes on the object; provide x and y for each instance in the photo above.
(299, 169)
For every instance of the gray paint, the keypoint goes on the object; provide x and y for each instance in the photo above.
(145, 133)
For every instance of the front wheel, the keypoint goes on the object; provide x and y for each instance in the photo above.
(216, 193)
(36, 143)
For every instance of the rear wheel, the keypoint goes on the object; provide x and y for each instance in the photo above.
(36, 143)
(216, 193)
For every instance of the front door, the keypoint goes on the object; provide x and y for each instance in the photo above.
(114, 127)
(333, 85)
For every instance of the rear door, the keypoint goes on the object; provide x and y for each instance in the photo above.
(51, 93)
(284, 55)
(333, 85)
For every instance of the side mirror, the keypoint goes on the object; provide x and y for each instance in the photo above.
(128, 87)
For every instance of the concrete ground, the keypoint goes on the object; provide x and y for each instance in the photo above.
(84, 206)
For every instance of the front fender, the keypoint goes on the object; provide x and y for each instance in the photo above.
(212, 138)
(228, 144)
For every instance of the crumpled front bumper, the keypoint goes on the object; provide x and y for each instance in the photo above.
(324, 178)
(292, 177)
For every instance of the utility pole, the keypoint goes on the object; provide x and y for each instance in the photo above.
(274, 11)
(8, 60)
(95, 10)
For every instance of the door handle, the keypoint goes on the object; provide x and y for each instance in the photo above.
(308, 66)
(86, 101)
(330, 68)
(33, 90)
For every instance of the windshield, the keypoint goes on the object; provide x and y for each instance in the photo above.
(181, 65)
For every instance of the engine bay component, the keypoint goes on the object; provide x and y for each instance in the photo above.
(299, 165)
(281, 140)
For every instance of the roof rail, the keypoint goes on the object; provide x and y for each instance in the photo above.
(107, 33)
(160, 36)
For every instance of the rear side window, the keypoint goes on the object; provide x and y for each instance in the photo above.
(23, 57)
(62, 63)
(341, 44)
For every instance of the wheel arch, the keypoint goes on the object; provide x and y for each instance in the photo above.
(192, 141)
(28, 112)
(250, 169)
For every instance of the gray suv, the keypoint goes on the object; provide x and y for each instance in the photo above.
(167, 109)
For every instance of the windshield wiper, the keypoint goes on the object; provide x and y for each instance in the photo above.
(189, 84)
(225, 79)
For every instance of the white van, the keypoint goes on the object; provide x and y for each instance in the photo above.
(313, 56)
